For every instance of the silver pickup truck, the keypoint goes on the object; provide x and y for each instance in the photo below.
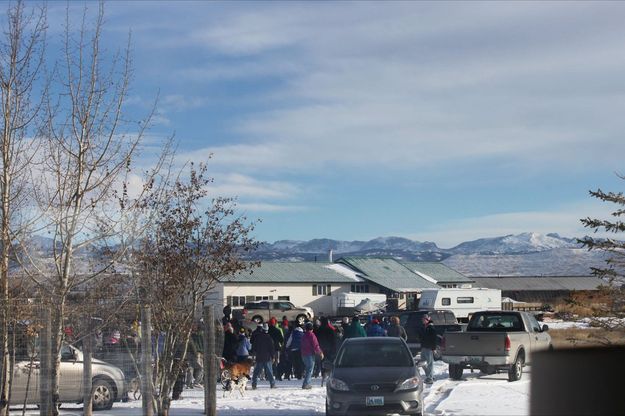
(495, 341)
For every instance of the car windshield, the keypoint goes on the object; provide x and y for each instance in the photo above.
(374, 354)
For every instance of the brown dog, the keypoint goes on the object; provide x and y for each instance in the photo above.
(234, 371)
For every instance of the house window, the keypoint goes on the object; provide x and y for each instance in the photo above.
(236, 300)
(360, 288)
(264, 297)
(446, 301)
(465, 299)
(320, 290)
(287, 298)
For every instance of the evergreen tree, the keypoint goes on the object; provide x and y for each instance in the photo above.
(611, 305)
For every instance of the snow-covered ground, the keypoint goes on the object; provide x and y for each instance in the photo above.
(475, 395)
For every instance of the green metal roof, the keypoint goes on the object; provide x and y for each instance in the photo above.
(295, 272)
(534, 283)
(437, 271)
(389, 273)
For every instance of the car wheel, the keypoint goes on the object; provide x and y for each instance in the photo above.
(455, 371)
(258, 319)
(102, 395)
(300, 319)
(516, 371)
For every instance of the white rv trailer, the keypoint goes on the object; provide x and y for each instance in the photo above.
(462, 302)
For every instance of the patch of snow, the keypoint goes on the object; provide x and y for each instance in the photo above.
(345, 271)
(426, 277)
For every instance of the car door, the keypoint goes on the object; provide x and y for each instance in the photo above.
(71, 369)
(539, 340)
(25, 382)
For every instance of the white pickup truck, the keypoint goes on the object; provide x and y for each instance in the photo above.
(495, 341)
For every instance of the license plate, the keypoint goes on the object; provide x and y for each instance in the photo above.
(375, 401)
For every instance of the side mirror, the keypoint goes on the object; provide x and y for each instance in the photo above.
(545, 328)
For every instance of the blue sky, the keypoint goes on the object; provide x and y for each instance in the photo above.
(437, 121)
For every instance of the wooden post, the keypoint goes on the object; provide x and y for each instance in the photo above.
(45, 395)
(147, 393)
(210, 367)
(87, 374)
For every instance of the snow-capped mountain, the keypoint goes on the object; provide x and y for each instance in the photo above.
(521, 255)
(513, 244)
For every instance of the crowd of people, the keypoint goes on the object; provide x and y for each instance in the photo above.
(285, 350)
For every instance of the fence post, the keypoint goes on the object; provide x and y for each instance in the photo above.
(210, 374)
(87, 373)
(45, 395)
(147, 393)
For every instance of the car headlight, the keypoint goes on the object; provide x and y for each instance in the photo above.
(337, 384)
(410, 384)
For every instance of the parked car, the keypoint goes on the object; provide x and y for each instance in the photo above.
(108, 383)
(412, 321)
(263, 310)
(374, 376)
(495, 341)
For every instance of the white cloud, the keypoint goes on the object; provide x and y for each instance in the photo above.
(242, 186)
(269, 208)
(420, 87)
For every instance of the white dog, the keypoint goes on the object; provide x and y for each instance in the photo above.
(239, 384)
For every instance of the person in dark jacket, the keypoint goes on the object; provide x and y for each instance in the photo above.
(375, 330)
(265, 352)
(428, 345)
(396, 330)
(230, 343)
(278, 341)
(328, 338)
(355, 329)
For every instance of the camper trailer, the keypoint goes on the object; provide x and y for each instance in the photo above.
(462, 302)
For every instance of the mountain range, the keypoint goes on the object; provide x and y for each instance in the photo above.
(526, 254)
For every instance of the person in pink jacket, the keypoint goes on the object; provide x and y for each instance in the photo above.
(309, 349)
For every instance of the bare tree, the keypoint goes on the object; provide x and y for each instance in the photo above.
(21, 59)
(86, 157)
(610, 312)
(187, 250)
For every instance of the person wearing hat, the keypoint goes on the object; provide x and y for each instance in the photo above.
(230, 343)
(293, 347)
(310, 349)
(243, 346)
(265, 353)
(375, 329)
(428, 345)
(355, 329)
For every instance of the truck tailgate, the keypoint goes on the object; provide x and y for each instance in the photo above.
(475, 343)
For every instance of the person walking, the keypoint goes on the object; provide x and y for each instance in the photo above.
(395, 329)
(278, 341)
(428, 345)
(328, 340)
(265, 353)
(355, 329)
(293, 346)
(310, 349)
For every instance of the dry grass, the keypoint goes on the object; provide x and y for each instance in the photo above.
(585, 337)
